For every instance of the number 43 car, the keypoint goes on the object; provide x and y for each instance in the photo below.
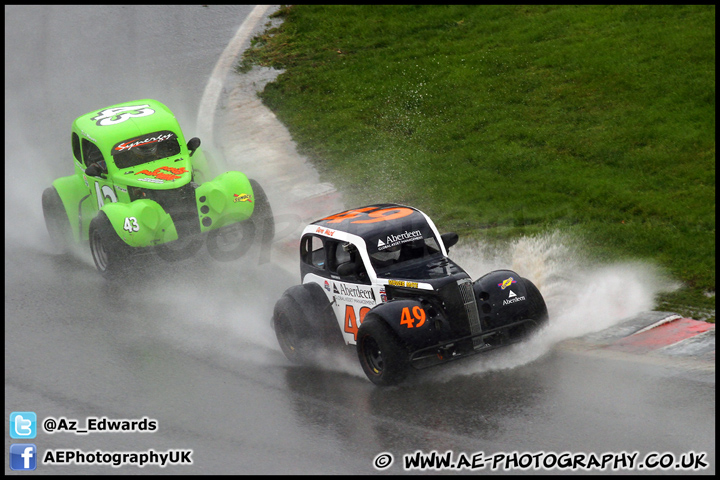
(139, 187)
(379, 278)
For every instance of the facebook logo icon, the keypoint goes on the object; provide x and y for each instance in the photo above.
(23, 456)
(23, 425)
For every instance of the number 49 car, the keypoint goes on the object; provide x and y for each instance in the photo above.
(379, 278)
(139, 187)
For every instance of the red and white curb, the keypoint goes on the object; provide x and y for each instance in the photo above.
(669, 335)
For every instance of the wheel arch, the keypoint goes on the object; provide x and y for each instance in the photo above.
(416, 336)
(147, 222)
(320, 314)
(504, 296)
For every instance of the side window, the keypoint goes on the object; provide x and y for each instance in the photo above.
(91, 153)
(346, 255)
(312, 251)
(76, 147)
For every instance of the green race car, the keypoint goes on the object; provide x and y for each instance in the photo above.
(140, 188)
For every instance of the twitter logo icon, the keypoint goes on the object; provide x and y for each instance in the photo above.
(23, 425)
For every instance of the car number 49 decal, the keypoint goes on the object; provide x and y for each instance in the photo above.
(408, 317)
(418, 315)
(131, 224)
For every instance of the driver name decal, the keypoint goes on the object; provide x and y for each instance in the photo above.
(160, 173)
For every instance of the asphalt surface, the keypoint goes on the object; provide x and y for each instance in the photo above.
(188, 344)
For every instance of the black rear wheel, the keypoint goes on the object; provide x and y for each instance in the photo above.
(305, 325)
(56, 220)
(291, 330)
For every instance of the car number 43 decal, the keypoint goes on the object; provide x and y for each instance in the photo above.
(131, 224)
(112, 116)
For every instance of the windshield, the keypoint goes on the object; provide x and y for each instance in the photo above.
(403, 251)
(145, 148)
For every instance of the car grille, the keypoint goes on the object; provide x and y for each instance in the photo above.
(468, 299)
(178, 202)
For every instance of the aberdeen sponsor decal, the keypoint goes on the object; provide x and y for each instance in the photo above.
(394, 240)
(513, 298)
(355, 293)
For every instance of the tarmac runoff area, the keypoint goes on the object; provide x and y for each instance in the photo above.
(253, 140)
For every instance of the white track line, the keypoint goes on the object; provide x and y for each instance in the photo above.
(665, 320)
(213, 89)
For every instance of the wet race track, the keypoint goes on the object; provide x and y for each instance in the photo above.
(189, 344)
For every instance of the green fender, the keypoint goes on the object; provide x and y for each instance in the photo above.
(141, 223)
(72, 191)
(224, 200)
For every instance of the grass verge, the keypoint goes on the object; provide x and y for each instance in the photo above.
(503, 121)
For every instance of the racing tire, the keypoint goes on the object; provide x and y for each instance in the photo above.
(262, 215)
(110, 253)
(383, 357)
(233, 241)
(305, 325)
(56, 220)
(538, 309)
(186, 246)
(293, 332)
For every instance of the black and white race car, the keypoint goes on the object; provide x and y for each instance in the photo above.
(378, 277)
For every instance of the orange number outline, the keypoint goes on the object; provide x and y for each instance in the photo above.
(375, 216)
(351, 324)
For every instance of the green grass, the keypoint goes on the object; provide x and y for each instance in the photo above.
(514, 120)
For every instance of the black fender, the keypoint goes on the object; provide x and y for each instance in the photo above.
(414, 322)
(505, 297)
(316, 307)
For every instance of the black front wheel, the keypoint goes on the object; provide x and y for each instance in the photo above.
(109, 252)
(233, 241)
(262, 215)
(384, 359)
